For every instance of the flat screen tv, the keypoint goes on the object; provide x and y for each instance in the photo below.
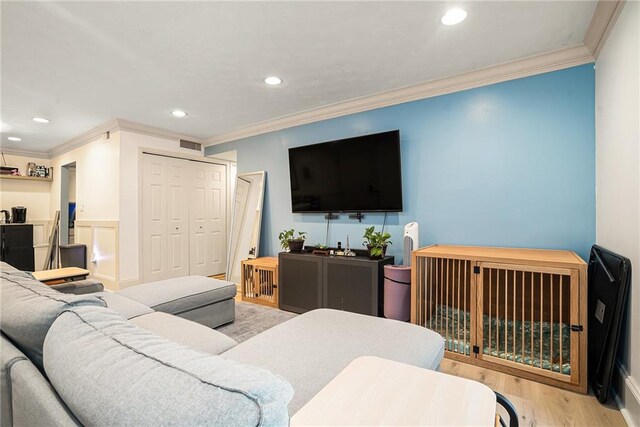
(360, 174)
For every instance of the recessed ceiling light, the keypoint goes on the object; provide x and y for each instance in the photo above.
(14, 138)
(178, 113)
(273, 81)
(40, 120)
(454, 16)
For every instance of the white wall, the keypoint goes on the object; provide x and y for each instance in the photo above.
(231, 156)
(618, 178)
(131, 144)
(97, 202)
(34, 195)
(97, 179)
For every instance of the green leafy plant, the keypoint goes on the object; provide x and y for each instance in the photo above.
(321, 246)
(376, 241)
(287, 236)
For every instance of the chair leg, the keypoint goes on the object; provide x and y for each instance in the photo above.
(511, 410)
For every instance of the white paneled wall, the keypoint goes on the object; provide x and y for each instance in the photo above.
(101, 238)
(41, 232)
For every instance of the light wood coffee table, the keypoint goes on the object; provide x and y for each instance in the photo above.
(60, 275)
(372, 391)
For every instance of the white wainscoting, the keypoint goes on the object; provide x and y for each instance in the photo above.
(41, 232)
(101, 238)
(627, 395)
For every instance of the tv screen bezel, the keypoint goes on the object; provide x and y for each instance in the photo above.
(397, 141)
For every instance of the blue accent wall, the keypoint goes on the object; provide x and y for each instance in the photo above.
(510, 164)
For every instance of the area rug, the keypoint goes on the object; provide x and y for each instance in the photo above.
(251, 319)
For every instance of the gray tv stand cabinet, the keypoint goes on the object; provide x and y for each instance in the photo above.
(308, 281)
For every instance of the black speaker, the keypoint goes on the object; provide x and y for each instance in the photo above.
(73, 255)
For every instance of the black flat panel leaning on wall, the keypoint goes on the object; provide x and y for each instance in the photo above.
(17, 246)
(609, 282)
(311, 281)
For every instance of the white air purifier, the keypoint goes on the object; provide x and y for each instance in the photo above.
(411, 233)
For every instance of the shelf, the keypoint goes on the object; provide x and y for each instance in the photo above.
(26, 178)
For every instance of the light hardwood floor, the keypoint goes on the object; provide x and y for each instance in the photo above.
(540, 404)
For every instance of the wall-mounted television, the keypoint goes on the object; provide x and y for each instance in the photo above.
(359, 174)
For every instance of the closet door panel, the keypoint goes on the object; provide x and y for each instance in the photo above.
(178, 230)
(217, 229)
(154, 218)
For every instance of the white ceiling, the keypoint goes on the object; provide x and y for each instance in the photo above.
(82, 63)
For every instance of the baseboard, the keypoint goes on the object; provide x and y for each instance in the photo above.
(627, 396)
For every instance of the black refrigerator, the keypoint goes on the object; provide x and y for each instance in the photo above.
(17, 246)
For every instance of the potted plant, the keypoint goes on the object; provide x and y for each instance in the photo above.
(289, 241)
(376, 242)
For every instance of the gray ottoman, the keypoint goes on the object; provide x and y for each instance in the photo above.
(311, 349)
(201, 299)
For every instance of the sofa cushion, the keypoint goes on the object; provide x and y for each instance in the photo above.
(175, 296)
(186, 332)
(127, 307)
(79, 287)
(28, 310)
(109, 371)
(311, 349)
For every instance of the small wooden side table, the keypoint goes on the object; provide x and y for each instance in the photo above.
(373, 391)
(259, 281)
(60, 275)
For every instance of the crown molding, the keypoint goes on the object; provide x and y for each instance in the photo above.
(151, 131)
(112, 126)
(537, 64)
(84, 138)
(603, 20)
(25, 153)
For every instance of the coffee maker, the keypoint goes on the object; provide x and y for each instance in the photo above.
(18, 215)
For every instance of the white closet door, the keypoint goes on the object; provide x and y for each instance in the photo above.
(208, 225)
(164, 219)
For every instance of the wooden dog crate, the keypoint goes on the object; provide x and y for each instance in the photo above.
(520, 311)
(259, 280)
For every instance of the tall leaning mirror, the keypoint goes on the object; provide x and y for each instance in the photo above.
(246, 219)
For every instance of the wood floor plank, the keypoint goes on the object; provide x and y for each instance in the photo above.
(539, 404)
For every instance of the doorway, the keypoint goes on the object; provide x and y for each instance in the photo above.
(183, 217)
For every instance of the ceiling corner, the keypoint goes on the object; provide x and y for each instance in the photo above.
(519, 68)
(84, 137)
(603, 21)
